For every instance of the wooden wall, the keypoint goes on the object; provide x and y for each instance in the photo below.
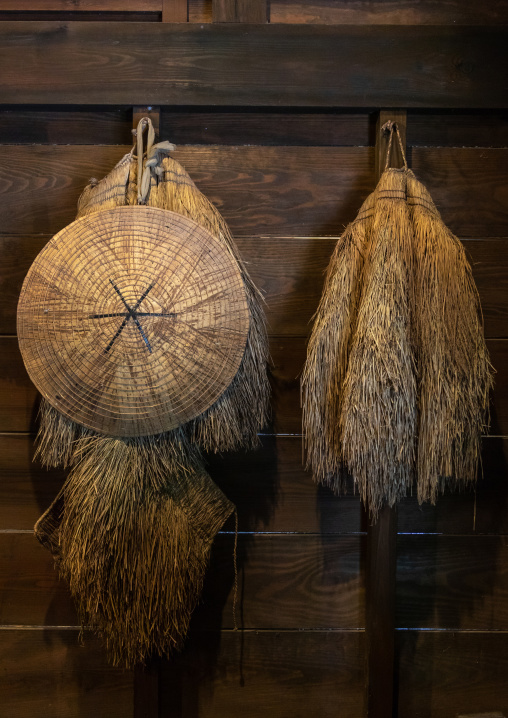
(287, 181)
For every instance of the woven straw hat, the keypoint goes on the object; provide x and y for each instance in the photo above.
(133, 320)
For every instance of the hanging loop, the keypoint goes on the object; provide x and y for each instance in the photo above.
(392, 127)
(149, 161)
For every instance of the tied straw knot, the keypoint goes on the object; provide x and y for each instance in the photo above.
(150, 167)
(392, 127)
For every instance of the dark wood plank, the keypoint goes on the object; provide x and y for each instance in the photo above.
(272, 65)
(479, 510)
(286, 581)
(44, 187)
(269, 190)
(18, 398)
(73, 16)
(432, 12)
(26, 489)
(65, 126)
(458, 128)
(273, 493)
(285, 191)
(81, 5)
(289, 272)
(278, 674)
(48, 673)
(469, 187)
(456, 582)
(269, 486)
(34, 595)
(240, 10)
(444, 674)
(249, 126)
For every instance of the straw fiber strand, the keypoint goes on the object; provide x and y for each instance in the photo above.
(132, 531)
(397, 378)
(328, 352)
(144, 333)
(378, 411)
(235, 419)
(454, 371)
(109, 192)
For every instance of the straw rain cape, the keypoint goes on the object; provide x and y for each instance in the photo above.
(396, 383)
(145, 335)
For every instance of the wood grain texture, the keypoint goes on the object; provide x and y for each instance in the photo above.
(458, 582)
(273, 493)
(65, 126)
(286, 582)
(48, 673)
(457, 129)
(200, 10)
(443, 674)
(26, 489)
(284, 191)
(290, 273)
(480, 510)
(19, 401)
(394, 12)
(269, 487)
(81, 5)
(174, 10)
(224, 64)
(72, 16)
(251, 126)
(469, 187)
(240, 11)
(278, 674)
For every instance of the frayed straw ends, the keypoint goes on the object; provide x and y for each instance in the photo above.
(454, 371)
(328, 353)
(242, 410)
(132, 532)
(378, 412)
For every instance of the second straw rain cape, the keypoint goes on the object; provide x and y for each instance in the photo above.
(133, 525)
(396, 383)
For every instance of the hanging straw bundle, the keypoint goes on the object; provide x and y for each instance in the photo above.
(134, 522)
(397, 376)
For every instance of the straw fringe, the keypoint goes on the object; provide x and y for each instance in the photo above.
(454, 371)
(378, 411)
(397, 378)
(239, 413)
(328, 353)
(133, 524)
(132, 531)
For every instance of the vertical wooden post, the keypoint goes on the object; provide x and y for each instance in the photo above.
(146, 690)
(382, 537)
(175, 11)
(240, 11)
(153, 112)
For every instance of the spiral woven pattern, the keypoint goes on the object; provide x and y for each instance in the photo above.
(133, 320)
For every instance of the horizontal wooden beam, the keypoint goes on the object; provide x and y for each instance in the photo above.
(252, 65)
